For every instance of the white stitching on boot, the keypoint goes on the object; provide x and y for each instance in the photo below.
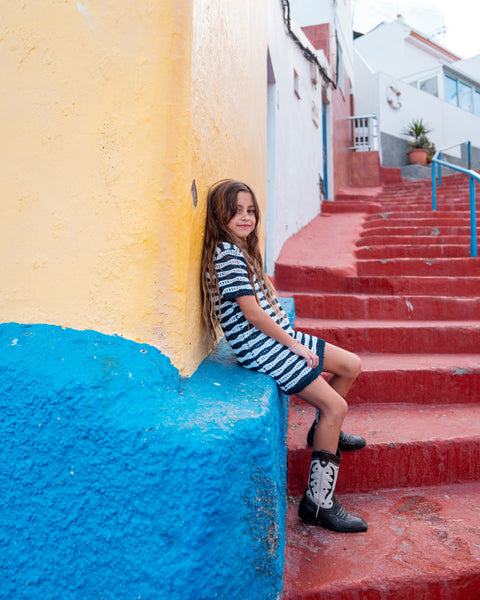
(321, 484)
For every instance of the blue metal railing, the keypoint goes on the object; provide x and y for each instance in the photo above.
(472, 175)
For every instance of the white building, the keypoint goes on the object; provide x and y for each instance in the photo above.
(402, 75)
(298, 112)
(310, 78)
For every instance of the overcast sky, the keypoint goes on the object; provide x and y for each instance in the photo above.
(453, 23)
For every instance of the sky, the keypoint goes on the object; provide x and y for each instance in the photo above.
(452, 23)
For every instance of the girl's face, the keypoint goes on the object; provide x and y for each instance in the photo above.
(244, 221)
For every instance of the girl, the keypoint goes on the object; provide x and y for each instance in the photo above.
(238, 298)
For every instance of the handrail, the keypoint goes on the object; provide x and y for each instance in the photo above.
(472, 175)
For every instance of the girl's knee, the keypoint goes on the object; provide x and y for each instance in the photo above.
(338, 410)
(352, 366)
(355, 365)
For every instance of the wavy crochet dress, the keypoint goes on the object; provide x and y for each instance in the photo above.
(253, 349)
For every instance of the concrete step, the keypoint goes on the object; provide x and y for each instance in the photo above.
(413, 204)
(414, 251)
(405, 285)
(403, 337)
(396, 308)
(421, 544)
(430, 267)
(412, 231)
(425, 206)
(407, 444)
(405, 241)
(417, 378)
(422, 379)
(358, 193)
(416, 222)
(314, 278)
(354, 206)
(394, 215)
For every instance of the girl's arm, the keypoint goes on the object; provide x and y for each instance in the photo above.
(262, 321)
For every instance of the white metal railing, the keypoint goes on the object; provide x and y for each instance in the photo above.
(364, 133)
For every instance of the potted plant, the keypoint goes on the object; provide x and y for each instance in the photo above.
(419, 144)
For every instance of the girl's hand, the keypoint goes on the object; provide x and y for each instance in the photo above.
(308, 355)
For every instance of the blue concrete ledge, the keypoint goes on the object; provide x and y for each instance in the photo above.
(121, 480)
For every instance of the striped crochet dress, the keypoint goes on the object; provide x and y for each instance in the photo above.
(253, 349)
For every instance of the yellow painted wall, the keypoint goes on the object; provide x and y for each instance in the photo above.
(108, 112)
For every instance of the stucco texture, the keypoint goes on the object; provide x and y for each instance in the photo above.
(108, 114)
(122, 480)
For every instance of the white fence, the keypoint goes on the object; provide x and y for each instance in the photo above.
(364, 133)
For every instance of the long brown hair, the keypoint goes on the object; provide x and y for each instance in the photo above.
(221, 208)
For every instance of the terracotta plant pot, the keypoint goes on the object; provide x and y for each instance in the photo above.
(418, 156)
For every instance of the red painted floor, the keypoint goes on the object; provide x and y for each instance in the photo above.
(422, 544)
(381, 274)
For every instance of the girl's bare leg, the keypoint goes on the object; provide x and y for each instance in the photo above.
(329, 397)
(333, 410)
(344, 366)
(318, 505)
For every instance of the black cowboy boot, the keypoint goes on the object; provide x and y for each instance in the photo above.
(319, 505)
(346, 441)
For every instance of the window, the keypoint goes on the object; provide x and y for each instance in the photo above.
(465, 96)
(451, 94)
(477, 102)
(462, 94)
(430, 85)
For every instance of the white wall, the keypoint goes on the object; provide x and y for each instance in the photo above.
(343, 24)
(366, 102)
(382, 58)
(470, 66)
(293, 139)
(449, 124)
(386, 50)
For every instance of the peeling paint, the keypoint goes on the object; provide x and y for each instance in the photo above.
(461, 371)
(84, 12)
(409, 306)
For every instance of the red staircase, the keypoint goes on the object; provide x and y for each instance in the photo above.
(382, 275)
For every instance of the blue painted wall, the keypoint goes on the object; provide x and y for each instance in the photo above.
(121, 480)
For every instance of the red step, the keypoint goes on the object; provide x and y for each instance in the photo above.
(348, 207)
(426, 207)
(405, 241)
(430, 267)
(315, 279)
(407, 444)
(424, 213)
(417, 378)
(414, 231)
(421, 544)
(403, 337)
(414, 251)
(403, 285)
(396, 221)
(395, 308)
